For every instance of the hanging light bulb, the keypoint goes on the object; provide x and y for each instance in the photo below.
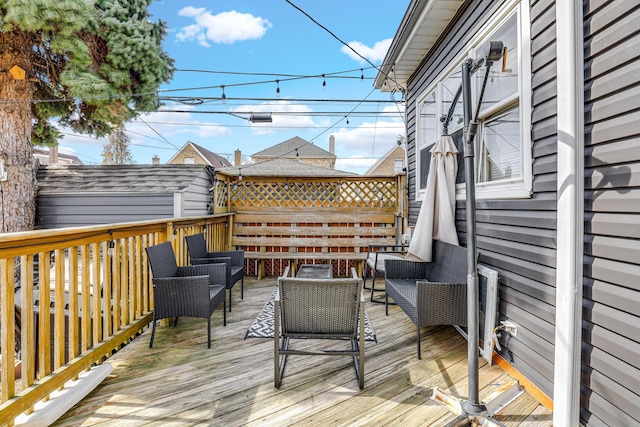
(324, 81)
(347, 117)
(361, 74)
(278, 87)
(239, 174)
(224, 97)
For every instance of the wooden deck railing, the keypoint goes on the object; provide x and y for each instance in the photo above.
(94, 285)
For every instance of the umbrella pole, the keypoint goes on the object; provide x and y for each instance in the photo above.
(472, 411)
(473, 406)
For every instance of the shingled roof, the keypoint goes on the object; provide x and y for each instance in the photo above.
(284, 167)
(116, 178)
(287, 150)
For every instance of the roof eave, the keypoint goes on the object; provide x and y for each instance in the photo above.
(420, 28)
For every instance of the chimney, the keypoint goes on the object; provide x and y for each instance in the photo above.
(155, 160)
(332, 144)
(53, 155)
(237, 161)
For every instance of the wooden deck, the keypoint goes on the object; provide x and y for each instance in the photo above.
(182, 383)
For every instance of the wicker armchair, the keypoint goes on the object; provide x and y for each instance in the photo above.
(430, 293)
(319, 309)
(191, 291)
(233, 259)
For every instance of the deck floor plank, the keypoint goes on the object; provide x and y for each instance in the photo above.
(179, 382)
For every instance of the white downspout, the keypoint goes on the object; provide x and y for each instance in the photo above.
(570, 212)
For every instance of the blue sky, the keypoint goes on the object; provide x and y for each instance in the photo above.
(246, 46)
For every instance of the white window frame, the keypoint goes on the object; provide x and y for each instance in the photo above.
(521, 186)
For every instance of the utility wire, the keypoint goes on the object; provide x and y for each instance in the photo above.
(341, 41)
(157, 133)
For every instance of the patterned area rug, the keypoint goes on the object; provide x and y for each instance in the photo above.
(262, 326)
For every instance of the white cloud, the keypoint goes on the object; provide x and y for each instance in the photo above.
(225, 27)
(374, 54)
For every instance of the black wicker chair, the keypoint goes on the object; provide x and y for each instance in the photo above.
(233, 259)
(430, 293)
(190, 291)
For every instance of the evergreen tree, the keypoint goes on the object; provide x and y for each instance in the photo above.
(91, 65)
(116, 151)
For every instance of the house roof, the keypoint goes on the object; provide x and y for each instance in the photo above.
(420, 28)
(396, 151)
(287, 150)
(212, 158)
(116, 178)
(42, 155)
(284, 167)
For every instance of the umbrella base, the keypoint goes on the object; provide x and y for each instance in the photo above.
(478, 415)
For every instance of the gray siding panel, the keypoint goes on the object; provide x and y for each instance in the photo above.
(611, 224)
(196, 198)
(68, 210)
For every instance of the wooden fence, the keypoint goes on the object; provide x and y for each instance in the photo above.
(281, 221)
(93, 286)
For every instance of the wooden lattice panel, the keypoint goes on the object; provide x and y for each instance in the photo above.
(314, 193)
(220, 196)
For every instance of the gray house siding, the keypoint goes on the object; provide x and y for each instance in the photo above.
(610, 386)
(516, 237)
(102, 194)
(73, 210)
(196, 198)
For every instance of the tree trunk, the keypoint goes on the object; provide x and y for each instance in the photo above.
(18, 190)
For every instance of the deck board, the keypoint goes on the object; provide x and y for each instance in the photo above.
(182, 383)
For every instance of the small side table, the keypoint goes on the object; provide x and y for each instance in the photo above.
(315, 271)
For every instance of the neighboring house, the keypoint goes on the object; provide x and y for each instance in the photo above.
(392, 163)
(301, 150)
(284, 167)
(194, 154)
(51, 155)
(568, 266)
(70, 196)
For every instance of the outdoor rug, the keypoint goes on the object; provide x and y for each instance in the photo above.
(262, 326)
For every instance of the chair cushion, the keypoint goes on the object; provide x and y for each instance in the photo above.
(405, 293)
(371, 259)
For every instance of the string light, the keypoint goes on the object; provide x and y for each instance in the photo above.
(324, 81)
(361, 74)
(224, 97)
(278, 86)
(239, 174)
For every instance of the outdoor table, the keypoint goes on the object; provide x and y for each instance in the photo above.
(315, 271)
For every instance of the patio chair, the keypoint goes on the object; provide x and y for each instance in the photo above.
(375, 263)
(430, 293)
(190, 291)
(330, 309)
(234, 260)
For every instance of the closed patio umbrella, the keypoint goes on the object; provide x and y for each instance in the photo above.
(436, 219)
